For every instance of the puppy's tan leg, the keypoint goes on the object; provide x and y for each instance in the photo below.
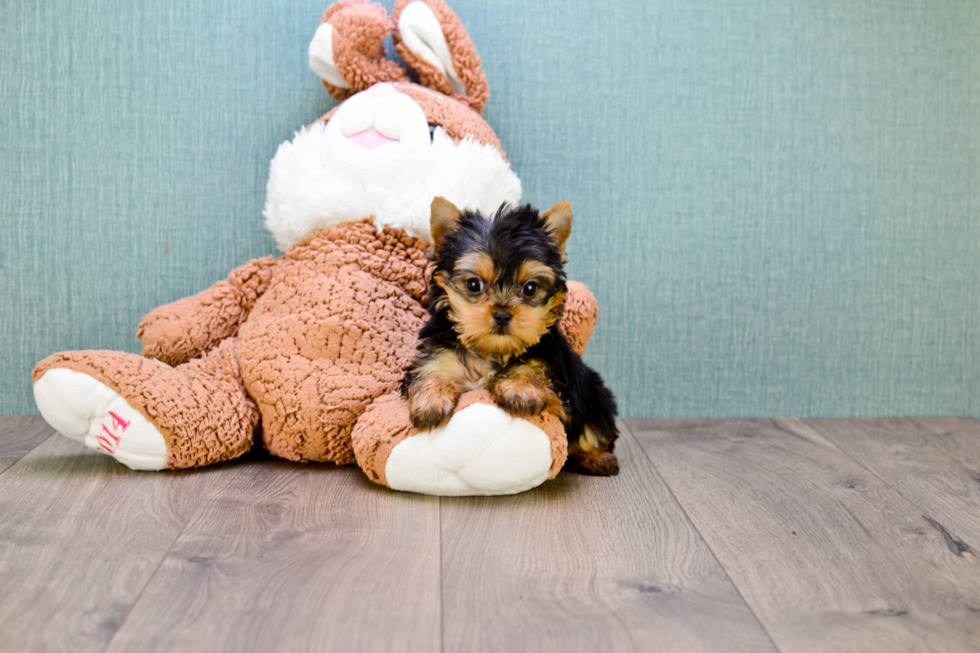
(434, 388)
(431, 400)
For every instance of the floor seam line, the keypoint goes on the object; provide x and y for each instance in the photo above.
(33, 449)
(721, 566)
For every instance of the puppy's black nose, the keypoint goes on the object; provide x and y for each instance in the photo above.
(502, 318)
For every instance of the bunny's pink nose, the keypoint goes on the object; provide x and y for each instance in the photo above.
(383, 90)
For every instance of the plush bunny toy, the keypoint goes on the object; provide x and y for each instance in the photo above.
(304, 353)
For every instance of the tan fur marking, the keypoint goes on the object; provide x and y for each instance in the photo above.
(559, 221)
(431, 400)
(468, 372)
(442, 220)
(531, 270)
(478, 263)
(589, 440)
(554, 308)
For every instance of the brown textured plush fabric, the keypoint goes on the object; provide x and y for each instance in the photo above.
(200, 407)
(456, 118)
(178, 332)
(581, 313)
(380, 428)
(331, 334)
(323, 332)
(359, 31)
(465, 59)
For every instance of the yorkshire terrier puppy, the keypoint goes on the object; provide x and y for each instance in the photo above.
(496, 294)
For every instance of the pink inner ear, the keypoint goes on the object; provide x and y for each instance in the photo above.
(370, 139)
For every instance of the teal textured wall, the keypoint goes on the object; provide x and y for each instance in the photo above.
(776, 202)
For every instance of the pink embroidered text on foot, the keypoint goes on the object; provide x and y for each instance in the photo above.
(117, 422)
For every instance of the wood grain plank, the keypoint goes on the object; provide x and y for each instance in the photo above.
(19, 434)
(829, 557)
(587, 564)
(80, 537)
(287, 557)
(933, 461)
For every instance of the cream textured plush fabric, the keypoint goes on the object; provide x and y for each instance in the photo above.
(304, 353)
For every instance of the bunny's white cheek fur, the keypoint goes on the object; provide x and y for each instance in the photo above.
(323, 177)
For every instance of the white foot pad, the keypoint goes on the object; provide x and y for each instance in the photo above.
(81, 408)
(481, 451)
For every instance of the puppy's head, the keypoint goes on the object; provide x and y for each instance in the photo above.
(500, 280)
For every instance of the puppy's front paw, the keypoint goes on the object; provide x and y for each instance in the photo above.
(431, 402)
(523, 399)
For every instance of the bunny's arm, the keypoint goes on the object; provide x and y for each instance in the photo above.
(579, 318)
(192, 326)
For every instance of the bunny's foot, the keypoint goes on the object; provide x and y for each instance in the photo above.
(83, 409)
(481, 450)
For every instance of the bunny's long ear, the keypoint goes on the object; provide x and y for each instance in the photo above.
(435, 45)
(347, 51)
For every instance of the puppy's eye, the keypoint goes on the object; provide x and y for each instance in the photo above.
(530, 288)
(474, 285)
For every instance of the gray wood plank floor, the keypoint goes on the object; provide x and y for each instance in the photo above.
(827, 555)
(19, 436)
(719, 535)
(587, 564)
(935, 463)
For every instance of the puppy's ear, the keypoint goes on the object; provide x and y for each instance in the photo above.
(558, 220)
(445, 217)
(434, 43)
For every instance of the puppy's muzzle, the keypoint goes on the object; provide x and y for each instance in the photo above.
(502, 318)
